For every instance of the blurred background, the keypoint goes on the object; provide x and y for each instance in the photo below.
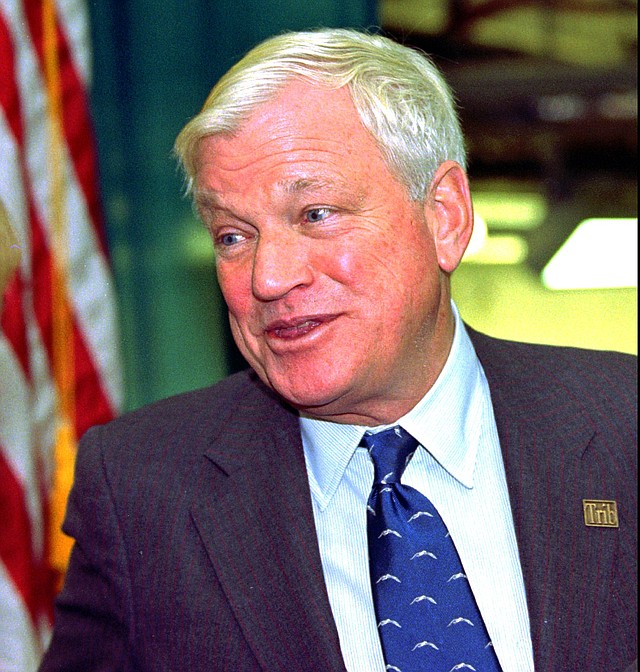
(115, 302)
(548, 98)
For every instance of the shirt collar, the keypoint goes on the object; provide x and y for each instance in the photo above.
(447, 422)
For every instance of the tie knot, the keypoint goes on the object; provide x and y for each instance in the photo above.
(390, 452)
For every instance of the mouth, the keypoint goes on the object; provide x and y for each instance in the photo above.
(293, 328)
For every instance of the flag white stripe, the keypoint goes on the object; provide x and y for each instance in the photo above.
(15, 427)
(18, 433)
(74, 21)
(43, 416)
(40, 416)
(90, 281)
(11, 188)
(28, 401)
(20, 646)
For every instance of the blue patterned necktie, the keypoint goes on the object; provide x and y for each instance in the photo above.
(427, 617)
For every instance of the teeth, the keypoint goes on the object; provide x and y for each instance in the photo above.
(302, 326)
(295, 327)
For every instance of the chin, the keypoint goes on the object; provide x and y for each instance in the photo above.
(304, 397)
(307, 400)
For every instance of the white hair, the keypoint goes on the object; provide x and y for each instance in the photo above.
(400, 95)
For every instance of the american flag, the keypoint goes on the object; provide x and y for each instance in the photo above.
(59, 368)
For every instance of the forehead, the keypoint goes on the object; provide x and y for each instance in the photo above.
(306, 132)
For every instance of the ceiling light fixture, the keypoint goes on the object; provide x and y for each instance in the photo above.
(600, 253)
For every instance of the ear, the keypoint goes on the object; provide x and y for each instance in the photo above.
(449, 209)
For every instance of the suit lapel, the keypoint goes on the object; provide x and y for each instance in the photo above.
(253, 512)
(255, 519)
(553, 461)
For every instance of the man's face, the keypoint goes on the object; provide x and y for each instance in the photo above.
(329, 271)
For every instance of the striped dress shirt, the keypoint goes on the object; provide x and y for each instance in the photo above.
(459, 468)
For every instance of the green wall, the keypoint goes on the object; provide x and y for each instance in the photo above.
(154, 63)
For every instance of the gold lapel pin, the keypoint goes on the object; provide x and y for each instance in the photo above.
(600, 512)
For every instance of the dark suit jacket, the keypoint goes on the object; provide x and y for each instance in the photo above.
(195, 542)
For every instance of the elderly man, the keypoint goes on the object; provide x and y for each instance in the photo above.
(385, 488)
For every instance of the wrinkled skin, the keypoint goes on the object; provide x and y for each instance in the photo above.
(337, 284)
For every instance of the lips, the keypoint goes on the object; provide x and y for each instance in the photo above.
(293, 328)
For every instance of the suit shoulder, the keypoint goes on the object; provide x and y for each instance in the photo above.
(556, 362)
(601, 383)
(184, 415)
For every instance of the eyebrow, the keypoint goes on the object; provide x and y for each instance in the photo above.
(206, 197)
(209, 200)
(311, 184)
(308, 184)
(203, 198)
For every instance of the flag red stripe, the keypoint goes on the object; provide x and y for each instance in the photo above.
(9, 95)
(92, 404)
(15, 540)
(27, 574)
(12, 322)
(26, 456)
(12, 317)
(78, 129)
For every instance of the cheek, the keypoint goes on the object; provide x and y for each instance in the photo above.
(343, 265)
(235, 285)
(357, 263)
(374, 271)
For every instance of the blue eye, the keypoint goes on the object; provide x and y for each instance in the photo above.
(229, 239)
(317, 214)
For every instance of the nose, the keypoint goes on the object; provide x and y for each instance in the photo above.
(281, 263)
